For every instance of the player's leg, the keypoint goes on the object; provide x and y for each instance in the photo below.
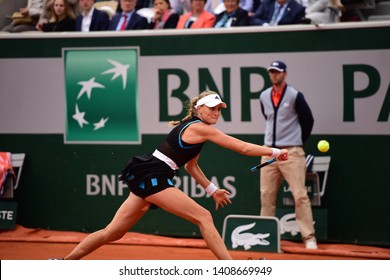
(270, 181)
(131, 210)
(178, 203)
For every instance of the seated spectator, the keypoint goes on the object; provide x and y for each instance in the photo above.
(164, 17)
(278, 12)
(63, 18)
(128, 19)
(91, 19)
(232, 16)
(47, 15)
(30, 15)
(184, 6)
(324, 11)
(247, 5)
(197, 18)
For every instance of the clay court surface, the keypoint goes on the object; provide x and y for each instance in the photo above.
(37, 244)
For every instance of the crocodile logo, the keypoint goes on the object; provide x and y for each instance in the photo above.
(248, 239)
(289, 224)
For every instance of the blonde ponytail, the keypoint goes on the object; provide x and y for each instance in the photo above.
(191, 110)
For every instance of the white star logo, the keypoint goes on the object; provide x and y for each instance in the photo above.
(88, 86)
(79, 117)
(100, 124)
(119, 70)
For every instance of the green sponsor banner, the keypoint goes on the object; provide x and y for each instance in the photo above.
(8, 211)
(251, 233)
(101, 96)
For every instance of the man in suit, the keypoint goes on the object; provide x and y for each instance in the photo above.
(233, 15)
(278, 12)
(128, 19)
(91, 19)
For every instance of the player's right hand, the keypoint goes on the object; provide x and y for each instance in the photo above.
(283, 154)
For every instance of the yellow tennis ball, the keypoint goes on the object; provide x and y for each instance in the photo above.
(323, 146)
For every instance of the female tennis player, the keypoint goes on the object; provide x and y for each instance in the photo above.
(150, 178)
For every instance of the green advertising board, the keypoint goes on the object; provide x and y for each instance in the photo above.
(101, 95)
(8, 212)
(251, 233)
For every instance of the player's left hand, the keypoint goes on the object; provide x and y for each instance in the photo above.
(221, 198)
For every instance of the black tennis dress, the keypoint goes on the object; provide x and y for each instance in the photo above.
(152, 173)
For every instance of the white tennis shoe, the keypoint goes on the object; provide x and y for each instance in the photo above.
(311, 244)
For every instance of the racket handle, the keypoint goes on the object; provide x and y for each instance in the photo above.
(254, 168)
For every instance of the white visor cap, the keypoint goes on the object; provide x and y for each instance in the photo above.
(210, 101)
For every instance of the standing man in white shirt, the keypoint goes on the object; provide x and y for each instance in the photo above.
(91, 19)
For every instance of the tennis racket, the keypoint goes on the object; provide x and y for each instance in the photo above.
(254, 168)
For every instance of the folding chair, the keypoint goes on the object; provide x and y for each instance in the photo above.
(17, 164)
(320, 165)
(316, 171)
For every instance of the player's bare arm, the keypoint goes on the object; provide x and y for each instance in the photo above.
(220, 196)
(201, 132)
(194, 170)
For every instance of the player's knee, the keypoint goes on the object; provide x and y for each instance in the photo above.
(204, 218)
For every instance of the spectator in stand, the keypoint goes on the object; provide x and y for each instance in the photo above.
(91, 19)
(164, 17)
(247, 5)
(64, 19)
(128, 19)
(278, 12)
(47, 15)
(181, 6)
(184, 6)
(31, 15)
(232, 16)
(197, 18)
(324, 11)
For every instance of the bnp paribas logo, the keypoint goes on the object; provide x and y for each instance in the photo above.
(101, 96)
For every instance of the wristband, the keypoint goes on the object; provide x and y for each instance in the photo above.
(211, 189)
(275, 152)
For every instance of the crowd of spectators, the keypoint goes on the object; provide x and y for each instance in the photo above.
(86, 15)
